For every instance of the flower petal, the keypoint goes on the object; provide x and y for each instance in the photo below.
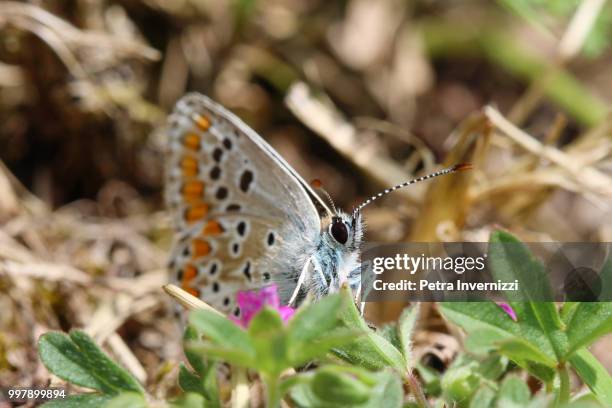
(252, 301)
(286, 312)
(508, 309)
(269, 296)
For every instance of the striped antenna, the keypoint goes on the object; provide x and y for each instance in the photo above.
(455, 168)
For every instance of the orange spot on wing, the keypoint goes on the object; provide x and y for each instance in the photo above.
(189, 272)
(200, 248)
(192, 291)
(196, 212)
(192, 141)
(202, 122)
(189, 166)
(212, 228)
(192, 190)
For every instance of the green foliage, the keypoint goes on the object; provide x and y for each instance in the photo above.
(357, 366)
(80, 401)
(594, 375)
(371, 350)
(201, 383)
(77, 359)
(342, 386)
(544, 340)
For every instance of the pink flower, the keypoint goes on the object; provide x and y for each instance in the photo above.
(508, 309)
(251, 302)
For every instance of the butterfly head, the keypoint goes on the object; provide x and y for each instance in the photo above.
(345, 231)
(337, 258)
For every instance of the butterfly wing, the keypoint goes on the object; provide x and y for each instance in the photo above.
(243, 215)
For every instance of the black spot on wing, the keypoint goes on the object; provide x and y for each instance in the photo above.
(233, 207)
(245, 180)
(213, 268)
(241, 228)
(215, 173)
(217, 154)
(221, 193)
(247, 270)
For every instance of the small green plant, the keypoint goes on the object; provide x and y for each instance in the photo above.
(78, 360)
(326, 355)
(547, 341)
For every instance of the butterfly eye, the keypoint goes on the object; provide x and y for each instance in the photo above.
(339, 231)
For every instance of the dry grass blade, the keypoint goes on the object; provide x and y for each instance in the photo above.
(30, 17)
(590, 178)
(323, 118)
(187, 300)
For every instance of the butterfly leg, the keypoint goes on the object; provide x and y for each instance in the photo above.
(356, 283)
(300, 282)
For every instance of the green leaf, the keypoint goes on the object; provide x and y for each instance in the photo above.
(127, 400)
(519, 350)
(194, 359)
(549, 321)
(265, 322)
(460, 383)
(483, 398)
(544, 373)
(606, 280)
(584, 401)
(190, 400)
(510, 260)
(371, 350)
(79, 401)
(320, 347)
(221, 330)
(77, 359)
(269, 339)
(208, 350)
(567, 311)
(541, 400)
(337, 387)
(348, 386)
(594, 375)
(405, 329)
(315, 329)
(483, 341)
(389, 332)
(493, 367)
(488, 316)
(430, 379)
(513, 393)
(589, 321)
(387, 392)
(190, 382)
(314, 320)
(204, 380)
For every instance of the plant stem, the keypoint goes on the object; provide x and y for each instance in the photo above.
(564, 384)
(273, 395)
(240, 388)
(417, 391)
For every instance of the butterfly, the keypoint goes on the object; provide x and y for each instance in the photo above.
(245, 218)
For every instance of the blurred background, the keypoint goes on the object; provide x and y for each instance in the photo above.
(360, 94)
